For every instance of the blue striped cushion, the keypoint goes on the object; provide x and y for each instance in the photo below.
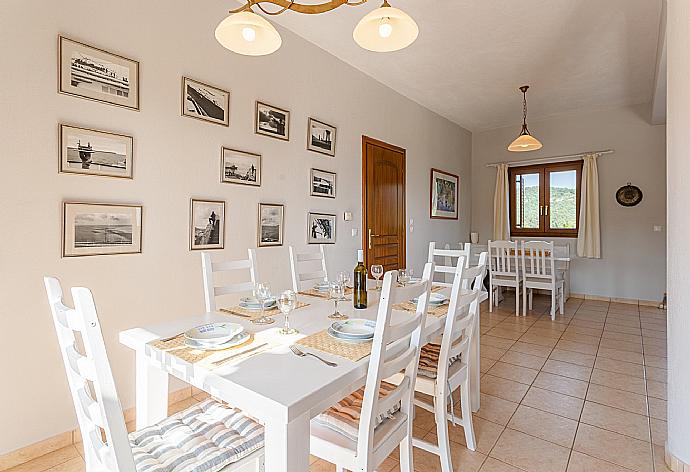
(203, 438)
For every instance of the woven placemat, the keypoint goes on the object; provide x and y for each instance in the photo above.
(255, 314)
(321, 341)
(177, 347)
(312, 292)
(438, 311)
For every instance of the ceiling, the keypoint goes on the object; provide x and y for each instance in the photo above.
(472, 55)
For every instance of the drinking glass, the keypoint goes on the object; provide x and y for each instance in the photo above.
(263, 293)
(337, 293)
(345, 279)
(404, 276)
(286, 303)
(377, 272)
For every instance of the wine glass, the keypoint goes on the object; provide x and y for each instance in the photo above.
(286, 303)
(337, 292)
(263, 293)
(345, 279)
(377, 272)
(403, 276)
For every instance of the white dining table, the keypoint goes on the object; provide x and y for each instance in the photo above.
(275, 386)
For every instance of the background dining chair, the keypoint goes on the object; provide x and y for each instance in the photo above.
(360, 431)
(504, 270)
(303, 264)
(444, 263)
(539, 272)
(206, 436)
(211, 272)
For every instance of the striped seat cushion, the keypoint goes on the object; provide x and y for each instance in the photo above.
(203, 438)
(428, 360)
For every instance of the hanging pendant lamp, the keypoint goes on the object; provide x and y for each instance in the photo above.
(525, 142)
(385, 29)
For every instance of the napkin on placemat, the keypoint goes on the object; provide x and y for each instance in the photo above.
(324, 342)
(437, 311)
(178, 348)
(255, 314)
(312, 292)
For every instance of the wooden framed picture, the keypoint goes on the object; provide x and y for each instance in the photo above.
(322, 183)
(321, 228)
(93, 229)
(240, 167)
(205, 102)
(272, 121)
(93, 73)
(271, 223)
(321, 137)
(207, 224)
(444, 195)
(93, 152)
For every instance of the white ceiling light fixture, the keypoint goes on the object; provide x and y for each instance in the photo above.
(525, 142)
(382, 30)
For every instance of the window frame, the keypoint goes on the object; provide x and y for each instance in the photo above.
(544, 171)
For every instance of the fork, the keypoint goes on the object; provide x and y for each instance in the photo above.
(301, 353)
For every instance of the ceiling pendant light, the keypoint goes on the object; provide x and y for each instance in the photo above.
(386, 29)
(524, 142)
(248, 34)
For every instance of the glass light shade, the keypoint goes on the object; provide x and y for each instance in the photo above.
(248, 33)
(402, 31)
(525, 142)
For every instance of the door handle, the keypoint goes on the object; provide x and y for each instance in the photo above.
(372, 236)
(546, 209)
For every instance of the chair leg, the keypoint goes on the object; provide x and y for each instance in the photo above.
(440, 412)
(406, 453)
(467, 423)
(517, 301)
(531, 297)
(562, 305)
(524, 302)
(553, 303)
(491, 298)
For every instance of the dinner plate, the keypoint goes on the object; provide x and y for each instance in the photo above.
(354, 328)
(234, 341)
(435, 298)
(322, 287)
(253, 303)
(214, 333)
(347, 339)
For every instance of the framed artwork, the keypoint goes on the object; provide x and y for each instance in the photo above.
(92, 152)
(321, 137)
(271, 223)
(205, 102)
(320, 228)
(322, 183)
(444, 195)
(240, 167)
(272, 121)
(92, 73)
(93, 229)
(207, 224)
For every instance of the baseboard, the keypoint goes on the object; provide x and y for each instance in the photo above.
(673, 463)
(626, 301)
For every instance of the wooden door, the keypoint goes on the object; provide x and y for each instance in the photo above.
(383, 204)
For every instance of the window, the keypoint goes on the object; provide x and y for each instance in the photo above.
(545, 199)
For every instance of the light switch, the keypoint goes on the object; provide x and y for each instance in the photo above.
(355, 231)
(347, 216)
(658, 228)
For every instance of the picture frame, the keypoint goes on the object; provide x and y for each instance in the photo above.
(270, 224)
(206, 224)
(92, 73)
(321, 137)
(240, 167)
(321, 228)
(272, 121)
(97, 229)
(322, 183)
(205, 102)
(88, 151)
(443, 195)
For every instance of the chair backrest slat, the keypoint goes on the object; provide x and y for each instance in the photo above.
(443, 260)
(211, 269)
(503, 259)
(305, 268)
(538, 260)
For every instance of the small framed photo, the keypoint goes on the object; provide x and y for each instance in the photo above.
(321, 137)
(207, 224)
(322, 183)
(321, 228)
(444, 195)
(92, 73)
(271, 219)
(93, 229)
(240, 167)
(272, 121)
(205, 102)
(92, 152)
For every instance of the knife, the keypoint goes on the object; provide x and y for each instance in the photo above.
(221, 361)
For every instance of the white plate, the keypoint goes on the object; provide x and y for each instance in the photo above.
(251, 302)
(435, 299)
(234, 341)
(322, 287)
(355, 328)
(214, 333)
(333, 334)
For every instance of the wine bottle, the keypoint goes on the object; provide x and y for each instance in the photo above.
(360, 282)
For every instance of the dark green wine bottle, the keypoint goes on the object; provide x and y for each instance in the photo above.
(360, 282)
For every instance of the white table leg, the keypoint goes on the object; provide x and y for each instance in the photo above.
(474, 368)
(287, 445)
(151, 391)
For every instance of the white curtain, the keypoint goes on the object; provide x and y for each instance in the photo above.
(589, 236)
(501, 202)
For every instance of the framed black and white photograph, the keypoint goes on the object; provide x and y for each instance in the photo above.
(321, 137)
(444, 195)
(322, 183)
(207, 224)
(271, 219)
(321, 228)
(240, 167)
(272, 121)
(93, 152)
(205, 102)
(92, 229)
(93, 73)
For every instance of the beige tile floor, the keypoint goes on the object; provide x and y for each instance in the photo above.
(586, 392)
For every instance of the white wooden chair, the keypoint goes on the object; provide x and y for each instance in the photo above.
(107, 446)
(504, 271)
(539, 272)
(360, 431)
(473, 279)
(445, 256)
(305, 277)
(210, 269)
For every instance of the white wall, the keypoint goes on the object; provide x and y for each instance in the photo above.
(175, 158)
(633, 255)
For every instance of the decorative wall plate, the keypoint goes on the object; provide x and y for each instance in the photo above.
(629, 195)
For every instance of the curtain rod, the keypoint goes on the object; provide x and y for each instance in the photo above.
(550, 159)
